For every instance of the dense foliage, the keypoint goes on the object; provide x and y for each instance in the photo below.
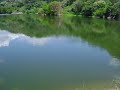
(99, 8)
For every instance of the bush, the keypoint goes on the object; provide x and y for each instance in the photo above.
(52, 8)
(87, 9)
(102, 8)
(55, 8)
(46, 9)
(5, 10)
(116, 10)
(77, 7)
(116, 7)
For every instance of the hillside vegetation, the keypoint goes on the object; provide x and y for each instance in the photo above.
(88, 8)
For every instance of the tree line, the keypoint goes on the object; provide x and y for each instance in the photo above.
(99, 8)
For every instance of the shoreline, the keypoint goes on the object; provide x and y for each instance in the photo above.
(65, 15)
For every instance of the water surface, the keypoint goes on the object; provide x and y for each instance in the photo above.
(59, 53)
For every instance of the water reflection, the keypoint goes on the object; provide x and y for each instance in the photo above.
(1, 81)
(7, 37)
(102, 33)
(1, 61)
(59, 53)
(115, 62)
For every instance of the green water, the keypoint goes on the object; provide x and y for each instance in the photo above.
(59, 53)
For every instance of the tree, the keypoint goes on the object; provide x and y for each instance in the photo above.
(77, 7)
(87, 9)
(52, 8)
(102, 8)
(116, 10)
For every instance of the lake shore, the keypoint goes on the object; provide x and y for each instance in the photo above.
(65, 15)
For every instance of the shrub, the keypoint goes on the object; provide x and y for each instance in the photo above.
(116, 10)
(54, 8)
(102, 8)
(46, 9)
(87, 9)
(77, 7)
(5, 10)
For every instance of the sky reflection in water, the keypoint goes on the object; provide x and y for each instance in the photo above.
(58, 53)
(53, 62)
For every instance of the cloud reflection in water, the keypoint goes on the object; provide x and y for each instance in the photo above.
(7, 37)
